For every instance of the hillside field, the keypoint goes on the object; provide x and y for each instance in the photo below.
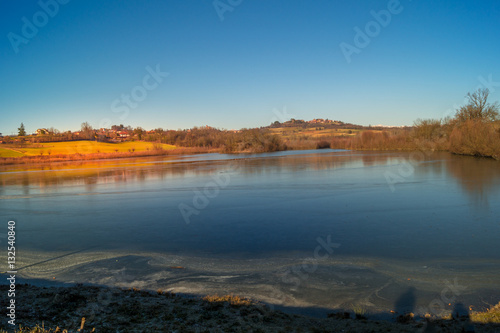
(77, 147)
(313, 133)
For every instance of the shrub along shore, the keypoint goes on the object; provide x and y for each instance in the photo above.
(473, 137)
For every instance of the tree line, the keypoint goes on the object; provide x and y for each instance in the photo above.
(474, 130)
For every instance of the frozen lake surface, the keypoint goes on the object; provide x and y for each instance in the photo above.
(321, 229)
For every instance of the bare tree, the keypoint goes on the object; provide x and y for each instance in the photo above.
(53, 131)
(478, 107)
(87, 131)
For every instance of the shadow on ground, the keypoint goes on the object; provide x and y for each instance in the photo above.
(63, 305)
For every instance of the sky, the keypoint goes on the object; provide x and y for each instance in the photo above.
(235, 64)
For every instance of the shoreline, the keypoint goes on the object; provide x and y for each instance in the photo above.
(45, 159)
(61, 158)
(109, 309)
(187, 277)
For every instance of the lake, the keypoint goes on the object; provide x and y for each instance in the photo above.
(308, 231)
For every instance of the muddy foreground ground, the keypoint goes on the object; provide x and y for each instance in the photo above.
(133, 310)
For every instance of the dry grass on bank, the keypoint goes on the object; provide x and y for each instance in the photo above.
(401, 140)
(99, 156)
(87, 309)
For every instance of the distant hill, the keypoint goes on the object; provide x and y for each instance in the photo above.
(326, 124)
(315, 123)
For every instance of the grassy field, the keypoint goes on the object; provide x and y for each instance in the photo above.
(315, 133)
(78, 147)
(10, 153)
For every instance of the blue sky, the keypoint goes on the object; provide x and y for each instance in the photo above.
(243, 64)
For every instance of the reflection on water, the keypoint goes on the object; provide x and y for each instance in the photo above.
(262, 221)
(476, 176)
(292, 196)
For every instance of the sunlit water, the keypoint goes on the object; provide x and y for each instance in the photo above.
(325, 229)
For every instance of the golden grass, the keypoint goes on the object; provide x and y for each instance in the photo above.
(231, 299)
(359, 311)
(36, 159)
(5, 152)
(86, 147)
(42, 329)
(490, 316)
